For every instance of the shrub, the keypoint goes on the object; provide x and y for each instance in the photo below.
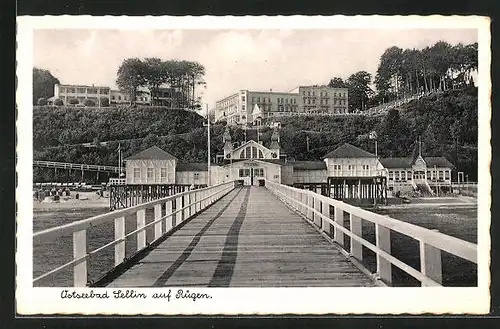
(88, 102)
(58, 102)
(73, 101)
(42, 101)
(104, 102)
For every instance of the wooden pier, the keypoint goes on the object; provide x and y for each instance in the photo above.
(267, 236)
(247, 239)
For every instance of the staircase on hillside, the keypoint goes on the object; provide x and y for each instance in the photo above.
(424, 188)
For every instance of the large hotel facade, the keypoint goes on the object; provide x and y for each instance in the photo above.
(97, 94)
(249, 107)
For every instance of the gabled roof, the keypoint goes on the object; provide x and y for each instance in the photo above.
(152, 153)
(408, 162)
(248, 143)
(396, 162)
(438, 162)
(308, 165)
(191, 167)
(349, 151)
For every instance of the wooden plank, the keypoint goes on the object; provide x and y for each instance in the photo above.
(80, 250)
(356, 228)
(383, 241)
(119, 234)
(141, 236)
(430, 262)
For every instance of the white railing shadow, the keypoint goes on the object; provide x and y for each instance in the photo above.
(312, 206)
(178, 208)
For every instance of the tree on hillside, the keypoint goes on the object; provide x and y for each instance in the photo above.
(155, 74)
(337, 82)
(43, 84)
(359, 90)
(131, 75)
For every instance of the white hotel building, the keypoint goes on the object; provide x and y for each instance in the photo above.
(249, 107)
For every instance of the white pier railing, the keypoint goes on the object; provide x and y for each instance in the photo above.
(316, 208)
(194, 201)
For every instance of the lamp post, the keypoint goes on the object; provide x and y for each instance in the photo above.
(208, 147)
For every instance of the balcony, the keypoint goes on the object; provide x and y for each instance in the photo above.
(356, 173)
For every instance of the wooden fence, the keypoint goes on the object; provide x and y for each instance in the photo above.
(318, 209)
(178, 208)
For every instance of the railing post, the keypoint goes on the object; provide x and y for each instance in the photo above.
(356, 228)
(310, 204)
(187, 206)
(178, 211)
(80, 250)
(168, 215)
(383, 241)
(119, 234)
(194, 206)
(317, 207)
(430, 262)
(141, 222)
(325, 210)
(158, 231)
(339, 219)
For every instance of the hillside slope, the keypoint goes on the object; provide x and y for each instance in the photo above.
(446, 123)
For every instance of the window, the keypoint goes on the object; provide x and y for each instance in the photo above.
(119, 98)
(150, 174)
(261, 155)
(92, 90)
(242, 98)
(62, 90)
(336, 167)
(350, 167)
(196, 175)
(137, 174)
(365, 167)
(447, 175)
(258, 99)
(113, 97)
(391, 175)
(80, 90)
(308, 93)
(163, 173)
(440, 175)
(269, 99)
(396, 176)
(313, 94)
(103, 91)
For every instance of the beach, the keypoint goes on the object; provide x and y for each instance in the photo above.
(85, 200)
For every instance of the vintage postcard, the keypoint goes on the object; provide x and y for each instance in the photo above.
(253, 165)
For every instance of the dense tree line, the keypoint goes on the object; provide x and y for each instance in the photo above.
(404, 72)
(43, 86)
(180, 77)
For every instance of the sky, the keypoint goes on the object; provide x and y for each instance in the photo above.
(233, 59)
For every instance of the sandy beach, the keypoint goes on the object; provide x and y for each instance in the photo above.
(86, 200)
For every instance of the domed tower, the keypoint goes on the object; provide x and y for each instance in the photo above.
(275, 146)
(228, 145)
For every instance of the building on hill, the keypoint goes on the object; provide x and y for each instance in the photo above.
(250, 107)
(142, 97)
(65, 92)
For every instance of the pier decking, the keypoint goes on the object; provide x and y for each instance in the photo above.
(247, 238)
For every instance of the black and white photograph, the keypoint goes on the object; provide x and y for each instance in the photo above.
(253, 165)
